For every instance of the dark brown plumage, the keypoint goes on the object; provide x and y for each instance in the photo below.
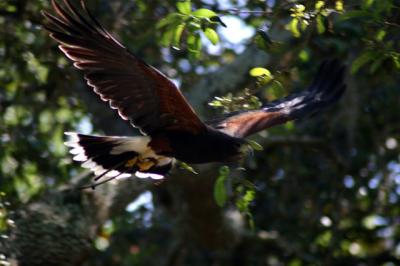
(139, 92)
(151, 102)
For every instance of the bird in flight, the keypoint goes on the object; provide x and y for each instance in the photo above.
(152, 103)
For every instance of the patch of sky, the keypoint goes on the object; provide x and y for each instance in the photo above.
(326, 221)
(394, 167)
(374, 182)
(398, 190)
(362, 191)
(144, 200)
(393, 198)
(385, 232)
(166, 54)
(184, 65)
(200, 70)
(225, 4)
(394, 175)
(279, 175)
(373, 221)
(85, 126)
(397, 250)
(348, 181)
(233, 36)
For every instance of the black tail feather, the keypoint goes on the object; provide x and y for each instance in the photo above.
(326, 88)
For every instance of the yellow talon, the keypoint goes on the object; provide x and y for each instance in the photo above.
(131, 162)
(145, 165)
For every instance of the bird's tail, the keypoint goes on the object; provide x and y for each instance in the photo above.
(114, 157)
(327, 87)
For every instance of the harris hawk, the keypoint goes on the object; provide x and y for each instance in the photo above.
(151, 102)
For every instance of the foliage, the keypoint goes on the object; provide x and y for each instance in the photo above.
(324, 191)
(199, 21)
(240, 190)
(380, 47)
(244, 100)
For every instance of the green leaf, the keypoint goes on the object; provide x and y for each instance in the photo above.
(304, 55)
(275, 90)
(367, 3)
(303, 24)
(184, 7)
(339, 6)
(211, 35)
(204, 13)
(215, 103)
(194, 55)
(320, 24)
(380, 35)
(194, 43)
(362, 60)
(319, 5)
(376, 64)
(396, 60)
(324, 239)
(244, 200)
(263, 75)
(249, 196)
(224, 170)
(220, 194)
(220, 191)
(289, 125)
(259, 71)
(187, 167)
(193, 26)
(166, 37)
(177, 35)
(293, 27)
(255, 145)
(171, 19)
(298, 9)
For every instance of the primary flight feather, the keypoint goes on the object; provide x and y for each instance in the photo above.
(152, 103)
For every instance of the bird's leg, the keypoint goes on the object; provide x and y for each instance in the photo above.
(93, 186)
(108, 170)
(146, 163)
(132, 162)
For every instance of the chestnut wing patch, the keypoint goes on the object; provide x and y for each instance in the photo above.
(244, 124)
(326, 89)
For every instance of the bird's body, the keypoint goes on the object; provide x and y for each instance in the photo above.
(151, 102)
(210, 145)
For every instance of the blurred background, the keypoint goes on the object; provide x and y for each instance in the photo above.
(323, 191)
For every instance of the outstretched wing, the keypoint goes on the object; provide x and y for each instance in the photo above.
(140, 93)
(327, 87)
